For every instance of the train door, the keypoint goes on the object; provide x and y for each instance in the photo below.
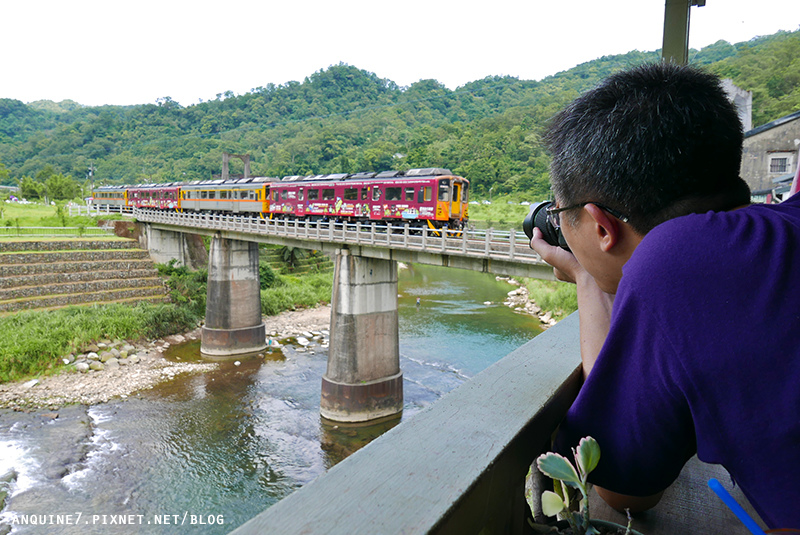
(455, 203)
(300, 207)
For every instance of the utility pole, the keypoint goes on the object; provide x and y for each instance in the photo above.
(675, 47)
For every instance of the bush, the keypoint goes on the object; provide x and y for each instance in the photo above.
(187, 287)
(267, 276)
(297, 292)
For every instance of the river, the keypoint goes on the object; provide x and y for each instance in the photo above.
(207, 452)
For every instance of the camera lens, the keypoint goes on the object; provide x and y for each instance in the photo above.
(537, 218)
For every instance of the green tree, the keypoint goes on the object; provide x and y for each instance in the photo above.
(60, 187)
(30, 189)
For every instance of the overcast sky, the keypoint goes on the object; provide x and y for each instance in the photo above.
(118, 52)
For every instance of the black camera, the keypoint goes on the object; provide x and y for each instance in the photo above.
(538, 218)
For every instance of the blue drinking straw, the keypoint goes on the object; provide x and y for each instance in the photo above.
(734, 506)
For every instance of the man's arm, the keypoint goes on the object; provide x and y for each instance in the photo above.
(594, 305)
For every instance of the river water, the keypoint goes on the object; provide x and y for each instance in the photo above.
(207, 452)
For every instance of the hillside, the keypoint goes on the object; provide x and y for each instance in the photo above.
(343, 119)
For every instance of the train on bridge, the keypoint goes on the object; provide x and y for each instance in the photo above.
(430, 196)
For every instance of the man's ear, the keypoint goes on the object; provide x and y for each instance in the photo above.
(607, 229)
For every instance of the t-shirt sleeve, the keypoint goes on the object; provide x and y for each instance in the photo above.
(632, 402)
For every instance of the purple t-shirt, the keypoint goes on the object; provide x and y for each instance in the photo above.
(703, 355)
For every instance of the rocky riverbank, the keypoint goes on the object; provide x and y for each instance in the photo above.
(521, 302)
(116, 369)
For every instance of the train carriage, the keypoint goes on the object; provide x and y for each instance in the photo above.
(430, 196)
(243, 195)
(160, 196)
(109, 196)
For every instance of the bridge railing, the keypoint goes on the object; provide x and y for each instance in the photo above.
(487, 243)
(457, 467)
(94, 211)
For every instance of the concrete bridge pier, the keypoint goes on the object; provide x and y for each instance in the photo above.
(363, 381)
(233, 306)
(166, 245)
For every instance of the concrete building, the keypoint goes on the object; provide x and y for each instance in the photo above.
(770, 155)
(743, 100)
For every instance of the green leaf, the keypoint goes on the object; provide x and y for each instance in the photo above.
(588, 455)
(552, 504)
(557, 467)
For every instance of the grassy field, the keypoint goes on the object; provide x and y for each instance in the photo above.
(500, 214)
(40, 215)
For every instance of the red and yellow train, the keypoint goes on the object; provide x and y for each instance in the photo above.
(430, 196)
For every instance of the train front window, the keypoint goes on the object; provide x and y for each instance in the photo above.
(409, 194)
(464, 196)
(444, 190)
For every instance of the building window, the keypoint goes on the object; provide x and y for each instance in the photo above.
(779, 165)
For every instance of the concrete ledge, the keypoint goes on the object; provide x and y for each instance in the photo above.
(458, 467)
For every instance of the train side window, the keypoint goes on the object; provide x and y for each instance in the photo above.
(212, 194)
(376, 193)
(300, 194)
(351, 194)
(223, 194)
(409, 194)
(464, 196)
(444, 190)
(204, 195)
(327, 194)
(243, 194)
(284, 195)
(364, 193)
(393, 194)
(251, 194)
(313, 194)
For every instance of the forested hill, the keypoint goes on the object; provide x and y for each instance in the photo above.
(342, 119)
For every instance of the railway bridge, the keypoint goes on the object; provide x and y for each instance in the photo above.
(363, 380)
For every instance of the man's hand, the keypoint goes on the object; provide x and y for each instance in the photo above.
(565, 266)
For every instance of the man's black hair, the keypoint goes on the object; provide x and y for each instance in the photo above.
(654, 142)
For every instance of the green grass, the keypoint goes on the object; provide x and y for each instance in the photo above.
(34, 341)
(500, 214)
(560, 298)
(42, 215)
(293, 292)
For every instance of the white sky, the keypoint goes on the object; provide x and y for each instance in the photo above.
(120, 52)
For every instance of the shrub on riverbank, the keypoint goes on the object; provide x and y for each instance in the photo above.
(560, 298)
(34, 341)
(292, 292)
